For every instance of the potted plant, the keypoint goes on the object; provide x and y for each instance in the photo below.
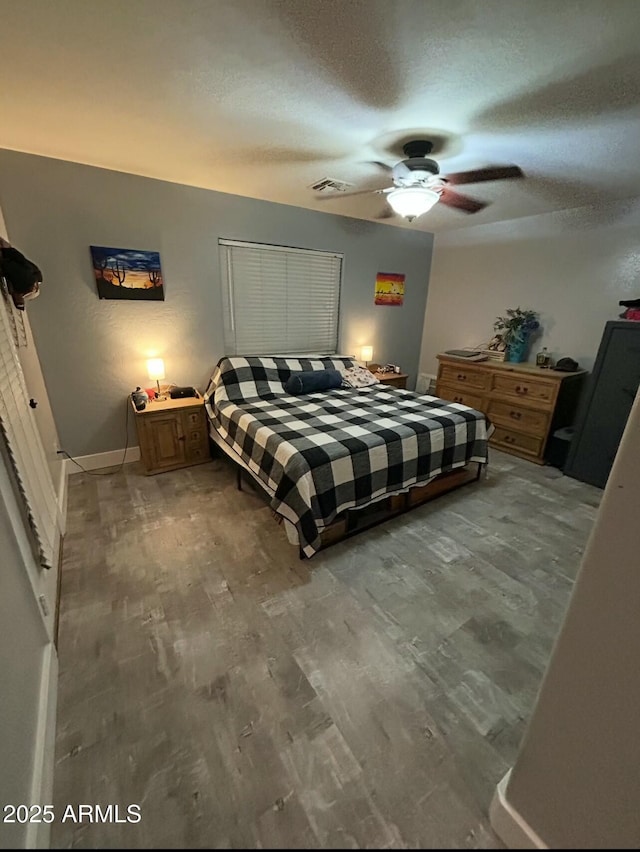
(515, 329)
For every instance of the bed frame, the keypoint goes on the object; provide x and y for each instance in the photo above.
(354, 521)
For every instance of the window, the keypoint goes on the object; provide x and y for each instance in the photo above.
(279, 300)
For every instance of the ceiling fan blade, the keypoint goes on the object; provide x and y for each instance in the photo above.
(461, 202)
(480, 175)
(384, 166)
(330, 196)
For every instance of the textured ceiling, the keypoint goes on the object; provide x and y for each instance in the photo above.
(263, 97)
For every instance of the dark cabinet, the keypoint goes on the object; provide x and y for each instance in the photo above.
(606, 404)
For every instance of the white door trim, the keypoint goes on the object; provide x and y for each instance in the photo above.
(38, 834)
(514, 831)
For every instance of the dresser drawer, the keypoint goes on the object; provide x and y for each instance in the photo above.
(524, 388)
(463, 375)
(459, 395)
(517, 441)
(523, 419)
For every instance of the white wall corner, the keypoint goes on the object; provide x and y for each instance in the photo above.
(514, 831)
(112, 458)
(423, 382)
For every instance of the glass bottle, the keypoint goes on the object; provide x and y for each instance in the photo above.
(543, 358)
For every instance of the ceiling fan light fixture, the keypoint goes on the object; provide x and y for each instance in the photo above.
(412, 201)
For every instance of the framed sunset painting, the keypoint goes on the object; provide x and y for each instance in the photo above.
(389, 288)
(127, 273)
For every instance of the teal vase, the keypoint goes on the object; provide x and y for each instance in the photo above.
(517, 350)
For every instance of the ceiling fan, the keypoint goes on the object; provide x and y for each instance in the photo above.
(418, 184)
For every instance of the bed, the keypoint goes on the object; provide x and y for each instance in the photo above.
(322, 454)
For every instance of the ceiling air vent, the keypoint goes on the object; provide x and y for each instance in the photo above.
(330, 185)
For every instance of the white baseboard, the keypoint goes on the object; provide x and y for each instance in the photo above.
(514, 831)
(37, 836)
(110, 459)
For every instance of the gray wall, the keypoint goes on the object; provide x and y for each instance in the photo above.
(93, 351)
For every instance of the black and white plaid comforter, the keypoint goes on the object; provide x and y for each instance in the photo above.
(322, 453)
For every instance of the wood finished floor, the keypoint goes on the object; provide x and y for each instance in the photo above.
(370, 697)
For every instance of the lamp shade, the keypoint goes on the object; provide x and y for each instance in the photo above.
(155, 368)
(412, 201)
(366, 353)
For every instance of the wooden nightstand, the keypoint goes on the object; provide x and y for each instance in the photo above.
(396, 380)
(172, 433)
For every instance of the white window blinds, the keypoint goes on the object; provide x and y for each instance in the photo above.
(279, 300)
(22, 439)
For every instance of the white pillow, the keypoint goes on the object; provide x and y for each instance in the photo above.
(358, 377)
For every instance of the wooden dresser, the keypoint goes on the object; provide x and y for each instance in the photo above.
(524, 403)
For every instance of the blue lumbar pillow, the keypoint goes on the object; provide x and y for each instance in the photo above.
(309, 381)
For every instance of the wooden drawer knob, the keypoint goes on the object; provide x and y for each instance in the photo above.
(516, 414)
(462, 377)
(521, 389)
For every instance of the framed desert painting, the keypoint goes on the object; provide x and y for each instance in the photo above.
(389, 288)
(127, 273)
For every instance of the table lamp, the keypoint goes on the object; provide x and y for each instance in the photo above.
(366, 354)
(155, 369)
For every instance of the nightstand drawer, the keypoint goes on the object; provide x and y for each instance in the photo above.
(194, 418)
(517, 441)
(523, 419)
(197, 453)
(464, 375)
(195, 436)
(459, 395)
(524, 388)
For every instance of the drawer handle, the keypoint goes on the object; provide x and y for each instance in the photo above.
(457, 399)
(522, 390)
(509, 440)
(515, 414)
(462, 377)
